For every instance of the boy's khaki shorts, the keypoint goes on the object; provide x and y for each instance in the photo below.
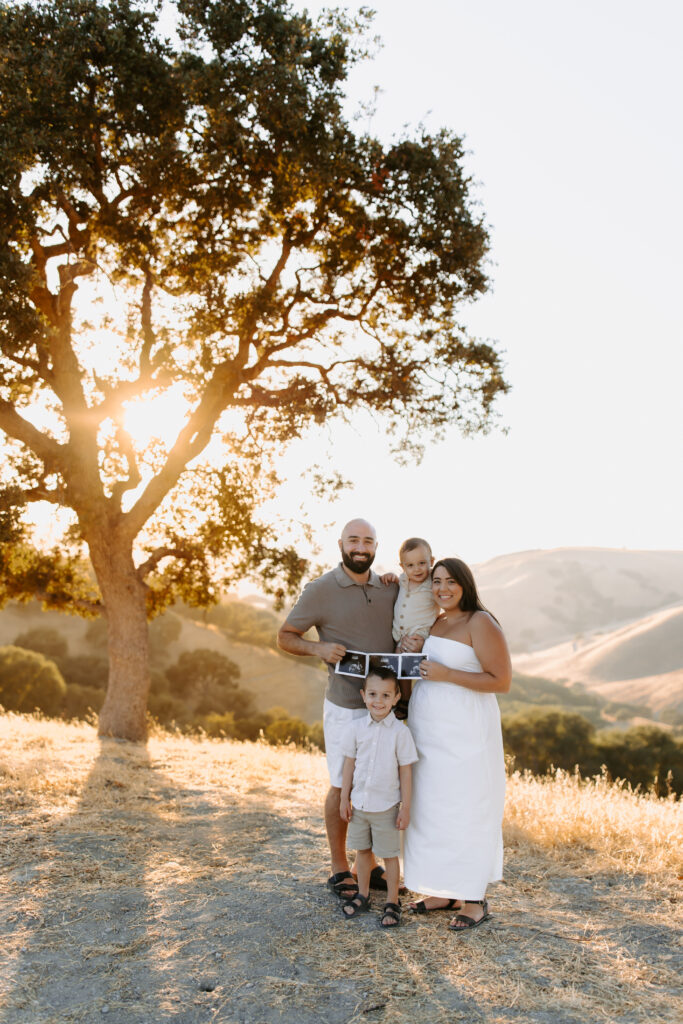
(376, 831)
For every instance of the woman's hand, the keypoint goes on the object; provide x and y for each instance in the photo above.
(433, 670)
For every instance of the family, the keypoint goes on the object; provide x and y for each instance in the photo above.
(440, 778)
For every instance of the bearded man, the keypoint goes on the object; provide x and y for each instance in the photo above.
(351, 609)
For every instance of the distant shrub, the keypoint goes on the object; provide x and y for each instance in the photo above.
(163, 631)
(200, 669)
(30, 682)
(219, 725)
(238, 620)
(82, 701)
(540, 739)
(646, 756)
(167, 709)
(49, 642)
(96, 634)
(85, 670)
(287, 730)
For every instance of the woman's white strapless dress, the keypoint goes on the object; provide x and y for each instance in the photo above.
(453, 846)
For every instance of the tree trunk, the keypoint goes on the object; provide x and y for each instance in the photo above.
(124, 712)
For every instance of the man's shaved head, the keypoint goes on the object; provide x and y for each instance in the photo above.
(359, 528)
(358, 544)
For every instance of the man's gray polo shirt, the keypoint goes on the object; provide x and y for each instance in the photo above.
(357, 615)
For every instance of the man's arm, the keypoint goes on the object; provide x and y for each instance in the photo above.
(292, 641)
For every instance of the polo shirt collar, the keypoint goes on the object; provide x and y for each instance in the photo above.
(344, 580)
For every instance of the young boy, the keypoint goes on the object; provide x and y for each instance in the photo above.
(376, 790)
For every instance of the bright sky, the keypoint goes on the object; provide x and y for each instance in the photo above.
(572, 116)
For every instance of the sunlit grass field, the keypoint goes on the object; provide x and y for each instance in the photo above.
(188, 875)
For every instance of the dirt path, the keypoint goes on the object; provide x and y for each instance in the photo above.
(184, 882)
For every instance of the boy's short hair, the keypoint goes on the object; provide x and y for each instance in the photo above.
(411, 544)
(382, 672)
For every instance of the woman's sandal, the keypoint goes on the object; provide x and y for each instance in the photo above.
(421, 907)
(355, 905)
(393, 912)
(465, 922)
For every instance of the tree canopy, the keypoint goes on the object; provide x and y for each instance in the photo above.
(191, 212)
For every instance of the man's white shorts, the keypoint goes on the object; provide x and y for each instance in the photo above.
(335, 723)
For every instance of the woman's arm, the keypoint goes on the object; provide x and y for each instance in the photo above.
(490, 648)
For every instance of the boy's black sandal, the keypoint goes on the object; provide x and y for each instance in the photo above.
(354, 905)
(379, 883)
(467, 922)
(393, 912)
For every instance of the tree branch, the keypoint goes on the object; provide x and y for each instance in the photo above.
(148, 335)
(151, 563)
(134, 478)
(191, 441)
(46, 448)
(56, 495)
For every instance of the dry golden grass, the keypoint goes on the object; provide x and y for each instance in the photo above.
(183, 881)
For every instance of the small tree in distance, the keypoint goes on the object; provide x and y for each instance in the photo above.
(271, 269)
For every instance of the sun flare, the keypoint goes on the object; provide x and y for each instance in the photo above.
(156, 418)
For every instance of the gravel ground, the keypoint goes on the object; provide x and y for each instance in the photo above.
(186, 882)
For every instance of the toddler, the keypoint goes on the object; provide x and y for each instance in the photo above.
(415, 610)
(379, 752)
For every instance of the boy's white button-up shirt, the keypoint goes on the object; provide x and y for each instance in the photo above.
(415, 610)
(378, 748)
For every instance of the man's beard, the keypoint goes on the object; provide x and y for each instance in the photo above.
(357, 563)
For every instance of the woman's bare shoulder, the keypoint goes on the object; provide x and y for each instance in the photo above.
(483, 622)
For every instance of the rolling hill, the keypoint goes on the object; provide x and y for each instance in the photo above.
(641, 663)
(544, 598)
(611, 620)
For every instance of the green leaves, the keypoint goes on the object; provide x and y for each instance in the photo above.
(246, 245)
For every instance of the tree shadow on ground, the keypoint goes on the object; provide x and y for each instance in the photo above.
(155, 902)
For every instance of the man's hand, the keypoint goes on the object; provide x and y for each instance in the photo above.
(402, 818)
(412, 644)
(345, 808)
(331, 653)
(292, 641)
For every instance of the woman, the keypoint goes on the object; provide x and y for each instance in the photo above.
(454, 844)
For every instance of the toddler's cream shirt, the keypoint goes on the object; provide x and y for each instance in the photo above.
(415, 611)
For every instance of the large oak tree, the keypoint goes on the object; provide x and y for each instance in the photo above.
(253, 254)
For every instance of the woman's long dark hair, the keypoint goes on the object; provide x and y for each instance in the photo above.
(462, 574)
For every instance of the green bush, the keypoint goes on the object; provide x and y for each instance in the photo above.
(30, 682)
(82, 701)
(219, 725)
(49, 642)
(287, 730)
(84, 670)
(197, 670)
(645, 756)
(163, 631)
(542, 738)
